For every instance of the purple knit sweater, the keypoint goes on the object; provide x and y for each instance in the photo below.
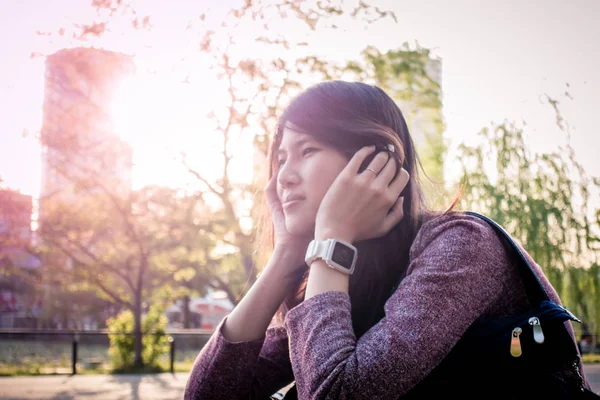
(459, 270)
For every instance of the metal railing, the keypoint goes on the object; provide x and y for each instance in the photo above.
(18, 345)
(89, 349)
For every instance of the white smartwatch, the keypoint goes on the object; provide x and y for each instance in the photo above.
(336, 253)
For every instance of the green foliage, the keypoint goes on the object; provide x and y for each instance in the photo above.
(590, 358)
(121, 339)
(154, 340)
(584, 297)
(412, 77)
(544, 202)
(158, 243)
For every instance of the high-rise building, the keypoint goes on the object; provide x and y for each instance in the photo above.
(82, 157)
(421, 104)
(422, 118)
(15, 218)
(19, 301)
(80, 142)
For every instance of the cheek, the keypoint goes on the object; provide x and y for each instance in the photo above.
(332, 171)
(324, 178)
(278, 188)
(321, 172)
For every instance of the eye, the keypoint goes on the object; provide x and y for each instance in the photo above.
(280, 162)
(309, 150)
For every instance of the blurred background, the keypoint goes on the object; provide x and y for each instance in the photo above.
(133, 140)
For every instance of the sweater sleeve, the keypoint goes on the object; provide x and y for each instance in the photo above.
(240, 370)
(456, 272)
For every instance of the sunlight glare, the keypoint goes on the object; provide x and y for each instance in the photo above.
(160, 117)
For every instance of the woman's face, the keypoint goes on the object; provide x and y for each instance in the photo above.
(307, 169)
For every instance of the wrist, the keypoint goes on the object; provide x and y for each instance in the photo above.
(291, 255)
(284, 266)
(334, 252)
(323, 278)
(334, 234)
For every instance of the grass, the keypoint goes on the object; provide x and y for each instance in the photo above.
(590, 358)
(32, 365)
(33, 369)
(16, 370)
(184, 366)
(64, 368)
(21, 358)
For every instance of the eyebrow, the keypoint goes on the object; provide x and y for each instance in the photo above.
(298, 143)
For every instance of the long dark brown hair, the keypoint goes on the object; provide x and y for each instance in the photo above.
(349, 116)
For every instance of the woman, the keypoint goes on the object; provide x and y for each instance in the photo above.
(376, 326)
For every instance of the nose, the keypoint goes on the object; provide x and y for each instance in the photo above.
(288, 175)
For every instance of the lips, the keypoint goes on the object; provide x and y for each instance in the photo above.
(292, 199)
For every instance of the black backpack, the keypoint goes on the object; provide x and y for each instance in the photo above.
(526, 356)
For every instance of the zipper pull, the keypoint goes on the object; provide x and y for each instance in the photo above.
(581, 381)
(538, 334)
(515, 342)
(570, 314)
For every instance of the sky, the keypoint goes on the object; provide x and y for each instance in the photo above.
(499, 60)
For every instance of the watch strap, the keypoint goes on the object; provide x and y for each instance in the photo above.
(326, 250)
(317, 249)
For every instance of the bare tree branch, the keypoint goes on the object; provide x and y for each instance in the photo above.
(95, 280)
(90, 254)
(201, 178)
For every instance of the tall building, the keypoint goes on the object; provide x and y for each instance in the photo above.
(82, 156)
(15, 217)
(19, 300)
(422, 119)
(78, 134)
(421, 103)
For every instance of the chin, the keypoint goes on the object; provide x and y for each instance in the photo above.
(300, 228)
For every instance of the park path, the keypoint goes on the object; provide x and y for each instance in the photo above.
(94, 387)
(128, 387)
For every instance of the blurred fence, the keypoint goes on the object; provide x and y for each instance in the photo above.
(66, 352)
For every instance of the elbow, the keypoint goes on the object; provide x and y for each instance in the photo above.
(189, 393)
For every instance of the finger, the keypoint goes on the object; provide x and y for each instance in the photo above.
(387, 173)
(358, 158)
(271, 186)
(271, 191)
(394, 216)
(377, 164)
(399, 183)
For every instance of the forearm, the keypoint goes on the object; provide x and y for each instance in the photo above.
(252, 316)
(323, 279)
(449, 284)
(244, 359)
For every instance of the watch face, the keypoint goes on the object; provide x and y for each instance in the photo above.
(342, 255)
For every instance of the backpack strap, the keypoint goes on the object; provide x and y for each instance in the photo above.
(534, 288)
(532, 282)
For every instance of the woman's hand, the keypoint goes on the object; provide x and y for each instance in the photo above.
(366, 205)
(292, 247)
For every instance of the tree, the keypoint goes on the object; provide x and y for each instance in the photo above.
(19, 261)
(99, 235)
(413, 78)
(122, 248)
(544, 201)
(259, 82)
(260, 87)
